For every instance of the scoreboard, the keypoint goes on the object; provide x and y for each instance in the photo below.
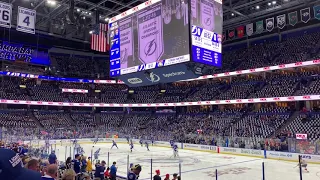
(162, 41)
(26, 18)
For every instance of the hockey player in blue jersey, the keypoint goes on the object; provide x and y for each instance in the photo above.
(74, 142)
(131, 146)
(171, 143)
(147, 145)
(141, 142)
(96, 154)
(175, 151)
(95, 140)
(114, 144)
(134, 173)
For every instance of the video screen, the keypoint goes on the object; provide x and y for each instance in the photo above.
(155, 36)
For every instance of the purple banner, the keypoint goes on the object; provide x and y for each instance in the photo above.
(150, 35)
(194, 9)
(207, 15)
(126, 41)
(178, 9)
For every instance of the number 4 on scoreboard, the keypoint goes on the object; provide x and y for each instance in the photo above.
(5, 15)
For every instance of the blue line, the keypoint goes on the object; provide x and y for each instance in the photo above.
(213, 167)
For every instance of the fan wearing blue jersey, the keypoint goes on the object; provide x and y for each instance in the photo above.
(147, 145)
(114, 144)
(134, 173)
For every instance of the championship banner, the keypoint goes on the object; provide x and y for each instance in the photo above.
(281, 21)
(5, 15)
(305, 15)
(293, 18)
(270, 24)
(249, 29)
(126, 39)
(240, 31)
(231, 34)
(259, 27)
(26, 20)
(207, 15)
(150, 35)
(316, 10)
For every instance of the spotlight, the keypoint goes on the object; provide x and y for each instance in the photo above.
(274, 2)
(257, 7)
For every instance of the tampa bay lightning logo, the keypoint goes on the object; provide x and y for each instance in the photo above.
(150, 48)
(208, 21)
(153, 77)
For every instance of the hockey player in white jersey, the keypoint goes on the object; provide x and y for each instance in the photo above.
(114, 144)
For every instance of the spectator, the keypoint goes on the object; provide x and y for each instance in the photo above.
(69, 174)
(99, 173)
(68, 163)
(134, 173)
(175, 176)
(83, 163)
(34, 165)
(52, 172)
(157, 176)
(11, 167)
(107, 174)
(167, 177)
(89, 165)
(113, 171)
(52, 158)
(76, 164)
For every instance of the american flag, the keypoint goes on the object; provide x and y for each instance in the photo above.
(99, 40)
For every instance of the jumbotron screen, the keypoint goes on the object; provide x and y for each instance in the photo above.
(156, 34)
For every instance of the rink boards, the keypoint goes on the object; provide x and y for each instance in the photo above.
(285, 156)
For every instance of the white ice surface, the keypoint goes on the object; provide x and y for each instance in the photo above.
(195, 165)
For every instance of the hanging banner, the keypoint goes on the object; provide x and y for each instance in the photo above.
(293, 18)
(305, 15)
(126, 39)
(259, 27)
(194, 11)
(269, 24)
(316, 10)
(240, 31)
(249, 29)
(5, 15)
(150, 35)
(178, 9)
(207, 15)
(26, 20)
(231, 34)
(281, 21)
(167, 12)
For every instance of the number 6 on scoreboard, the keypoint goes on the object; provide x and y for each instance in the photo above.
(5, 15)
(26, 20)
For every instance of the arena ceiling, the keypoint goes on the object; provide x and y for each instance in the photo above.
(73, 19)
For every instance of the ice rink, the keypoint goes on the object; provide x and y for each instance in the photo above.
(195, 165)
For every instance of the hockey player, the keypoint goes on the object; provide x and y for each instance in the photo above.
(74, 142)
(175, 151)
(131, 146)
(171, 143)
(141, 142)
(127, 139)
(114, 144)
(134, 173)
(96, 154)
(95, 140)
(303, 163)
(147, 145)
